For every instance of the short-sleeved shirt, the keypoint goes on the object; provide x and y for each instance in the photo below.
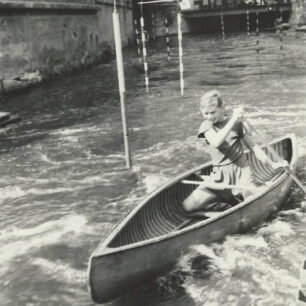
(232, 147)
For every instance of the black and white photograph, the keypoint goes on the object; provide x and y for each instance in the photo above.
(153, 152)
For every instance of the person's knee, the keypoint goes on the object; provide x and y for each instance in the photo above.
(196, 200)
(188, 204)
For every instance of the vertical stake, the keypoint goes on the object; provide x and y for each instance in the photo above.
(144, 50)
(281, 30)
(248, 22)
(121, 82)
(222, 26)
(180, 37)
(167, 40)
(137, 41)
(257, 32)
(153, 26)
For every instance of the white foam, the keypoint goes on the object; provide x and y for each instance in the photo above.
(202, 296)
(301, 147)
(242, 241)
(95, 179)
(39, 191)
(45, 158)
(73, 131)
(16, 192)
(11, 193)
(292, 212)
(153, 181)
(17, 242)
(61, 271)
(277, 229)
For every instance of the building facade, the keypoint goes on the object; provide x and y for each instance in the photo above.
(42, 38)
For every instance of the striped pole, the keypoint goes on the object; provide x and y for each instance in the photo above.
(153, 27)
(180, 37)
(257, 32)
(281, 30)
(144, 51)
(167, 40)
(222, 26)
(302, 287)
(248, 22)
(137, 41)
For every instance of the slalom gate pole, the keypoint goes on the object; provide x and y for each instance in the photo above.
(121, 82)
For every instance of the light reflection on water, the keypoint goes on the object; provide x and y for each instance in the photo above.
(63, 184)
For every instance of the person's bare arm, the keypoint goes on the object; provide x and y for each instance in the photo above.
(217, 138)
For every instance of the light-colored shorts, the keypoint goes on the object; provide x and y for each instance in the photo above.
(239, 172)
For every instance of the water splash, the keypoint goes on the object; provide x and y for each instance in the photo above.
(61, 271)
(16, 242)
(277, 230)
(153, 181)
(242, 268)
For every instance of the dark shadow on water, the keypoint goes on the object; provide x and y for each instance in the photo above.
(170, 289)
(236, 66)
(219, 83)
(156, 294)
(10, 143)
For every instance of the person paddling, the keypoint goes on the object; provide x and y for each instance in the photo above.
(224, 138)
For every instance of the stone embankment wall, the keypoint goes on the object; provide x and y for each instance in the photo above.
(298, 14)
(40, 38)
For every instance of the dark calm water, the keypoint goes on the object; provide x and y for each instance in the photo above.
(63, 185)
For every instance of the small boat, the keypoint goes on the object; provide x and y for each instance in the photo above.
(153, 235)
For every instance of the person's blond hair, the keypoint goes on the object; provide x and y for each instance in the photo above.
(211, 99)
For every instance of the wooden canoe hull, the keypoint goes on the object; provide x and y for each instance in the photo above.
(115, 271)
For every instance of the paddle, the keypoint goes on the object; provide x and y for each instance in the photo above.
(218, 186)
(276, 156)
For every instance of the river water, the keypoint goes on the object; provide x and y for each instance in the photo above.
(64, 186)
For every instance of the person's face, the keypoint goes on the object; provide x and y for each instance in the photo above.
(212, 113)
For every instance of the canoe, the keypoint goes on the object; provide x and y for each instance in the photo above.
(153, 235)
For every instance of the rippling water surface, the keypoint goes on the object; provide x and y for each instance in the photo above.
(63, 183)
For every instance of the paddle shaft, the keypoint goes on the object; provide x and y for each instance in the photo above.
(276, 156)
(218, 186)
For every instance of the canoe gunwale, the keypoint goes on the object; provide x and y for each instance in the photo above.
(103, 248)
(133, 211)
(107, 250)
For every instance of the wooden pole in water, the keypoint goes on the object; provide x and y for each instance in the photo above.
(248, 22)
(180, 37)
(167, 40)
(137, 41)
(257, 32)
(222, 26)
(281, 30)
(144, 50)
(153, 26)
(121, 83)
(302, 287)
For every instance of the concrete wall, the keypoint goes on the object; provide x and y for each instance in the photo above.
(298, 13)
(53, 37)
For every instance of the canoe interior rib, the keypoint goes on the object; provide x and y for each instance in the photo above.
(163, 213)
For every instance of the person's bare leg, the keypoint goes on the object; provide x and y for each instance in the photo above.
(198, 199)
(249, 193)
